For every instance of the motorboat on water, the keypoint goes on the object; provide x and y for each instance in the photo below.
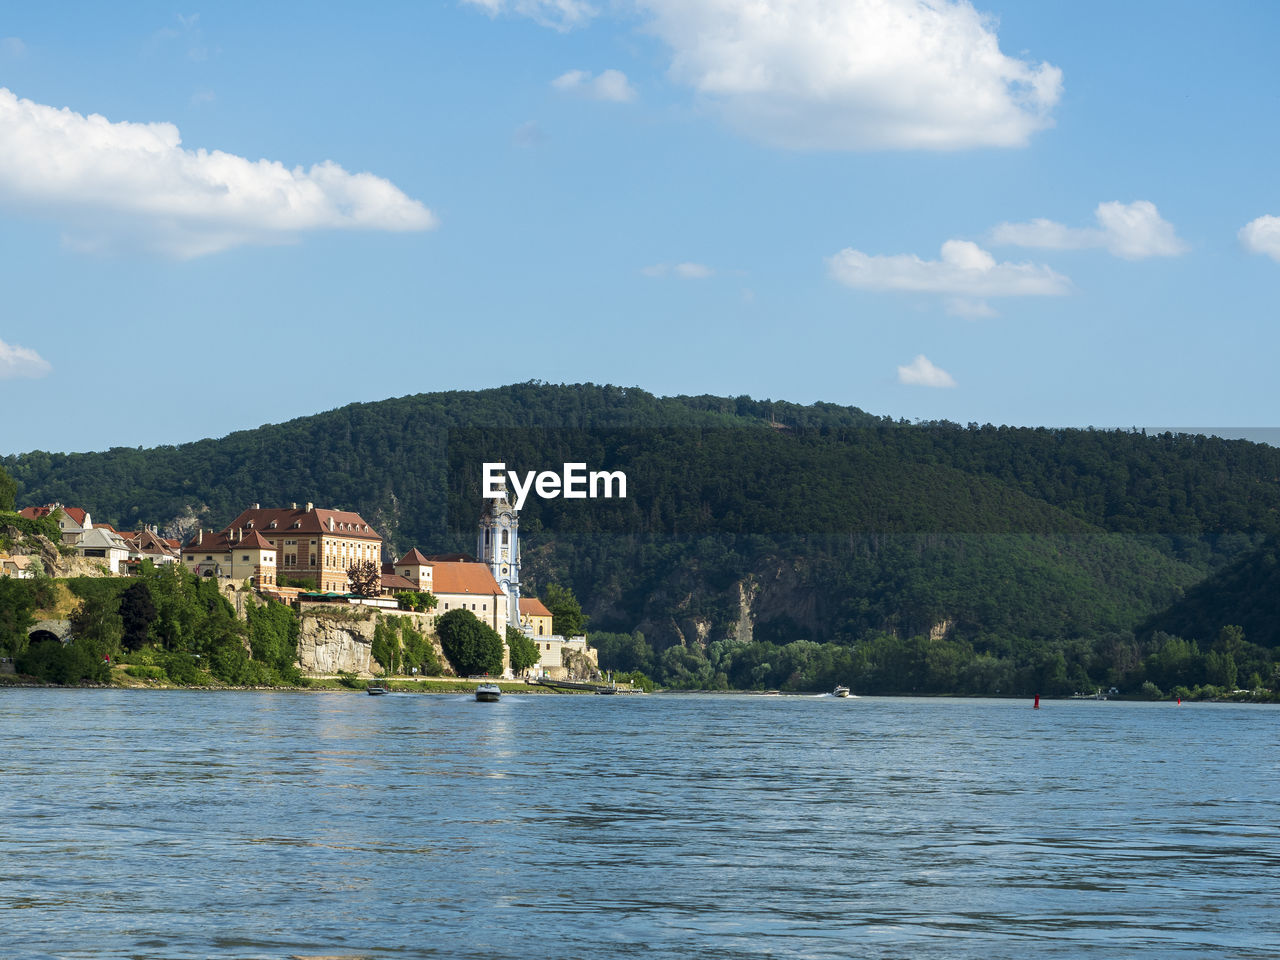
(375, 690)
(488, 692)
(840, 692)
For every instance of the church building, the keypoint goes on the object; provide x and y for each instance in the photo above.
(498, 547)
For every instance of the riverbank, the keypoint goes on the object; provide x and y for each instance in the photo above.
(418, 685)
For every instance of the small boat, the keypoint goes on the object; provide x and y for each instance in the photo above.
(377, 691)
(840, 692)
(488, 692)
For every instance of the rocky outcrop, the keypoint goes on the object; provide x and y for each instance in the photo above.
(941, 630)
(744, 628)
(37, 545)
(341, 640)
(330, 644)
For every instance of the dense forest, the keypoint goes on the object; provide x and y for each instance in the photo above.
(768, 544)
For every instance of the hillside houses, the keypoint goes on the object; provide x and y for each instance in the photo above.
(118, 551)
(73, 521)
(304, 553)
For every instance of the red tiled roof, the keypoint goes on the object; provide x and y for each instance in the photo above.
(345, 523)
(414, 558)
(253, 540)
(104, 526)
(474, 578)
(144, 541)
(213, 542)
(393, 581)
(74, 513)
(532, 607)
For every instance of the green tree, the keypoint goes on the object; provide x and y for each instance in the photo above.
(567, 618)
(419, 653)
(386, 645)
(17, 602)
(522, 651)
(8, 490)
(54, 662)
(273, 638)
(137, 613)
(97, 627)
(471, 646)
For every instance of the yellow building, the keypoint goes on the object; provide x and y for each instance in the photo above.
(535, 618)
(311, 544)
(238, 555)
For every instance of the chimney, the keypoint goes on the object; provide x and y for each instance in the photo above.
(256, 506)
(310, 507)
(200, 536)
(293, 506)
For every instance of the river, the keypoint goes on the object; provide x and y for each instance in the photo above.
(197, 824)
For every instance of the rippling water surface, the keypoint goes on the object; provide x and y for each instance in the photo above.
(202, 825)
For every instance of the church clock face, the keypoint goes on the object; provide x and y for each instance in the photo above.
(504, 569)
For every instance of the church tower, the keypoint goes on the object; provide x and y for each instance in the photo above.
(498, 545)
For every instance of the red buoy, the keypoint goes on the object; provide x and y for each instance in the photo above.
(1037, 706)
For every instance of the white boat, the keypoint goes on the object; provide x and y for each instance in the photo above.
(840, 692)
(377, 691)
(488, 692)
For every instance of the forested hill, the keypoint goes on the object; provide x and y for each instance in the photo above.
(744, 518)
(391, 460)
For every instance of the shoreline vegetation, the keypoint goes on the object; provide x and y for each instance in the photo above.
(165, 628)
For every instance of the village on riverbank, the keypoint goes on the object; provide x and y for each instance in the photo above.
(358, 614)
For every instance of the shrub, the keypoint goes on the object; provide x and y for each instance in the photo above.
(146, 672)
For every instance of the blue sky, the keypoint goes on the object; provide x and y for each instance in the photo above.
(1055, 213)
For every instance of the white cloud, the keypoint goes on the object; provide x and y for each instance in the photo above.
(20, 362)
(687, 270)
(964, 270)
(921, 373)
(1133, 231)
(134, 184)
(609, 85)
(1262, 236)
(558, 14)
(965, 307)
(857, 74)
(528, 134)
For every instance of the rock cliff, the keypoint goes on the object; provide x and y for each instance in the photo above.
(335, 644)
